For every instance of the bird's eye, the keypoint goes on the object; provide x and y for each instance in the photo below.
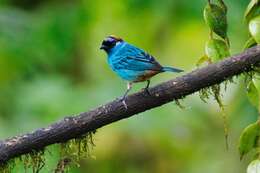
(109, 42)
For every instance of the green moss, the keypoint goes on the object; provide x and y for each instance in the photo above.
(73, 151)
(177, 101)
(215, 91)
(34, 160)
(7, 167)
(63, 165)
(217, 96)
(204, 94)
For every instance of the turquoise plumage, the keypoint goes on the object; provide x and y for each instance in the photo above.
(131, 63)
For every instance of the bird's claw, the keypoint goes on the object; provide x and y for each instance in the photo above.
(123, 99)
(147, 91)
(124, 103)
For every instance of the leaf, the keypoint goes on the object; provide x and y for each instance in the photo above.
(216, 18)
(250, 43)
(248, 139)
(256, 81)
(251, 10)
(216, 49)
(223, 5)
(250, 6)
(203, 59)
(252, 94)
(254, 167)
(254, 28)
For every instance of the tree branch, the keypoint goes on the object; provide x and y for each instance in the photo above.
(73, 127)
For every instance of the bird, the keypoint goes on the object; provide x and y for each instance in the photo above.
(131, 63)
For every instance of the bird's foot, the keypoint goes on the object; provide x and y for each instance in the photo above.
(123, 99)
(147, 91)
(124, 103)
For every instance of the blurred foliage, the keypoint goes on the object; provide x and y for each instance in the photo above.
(51, 66)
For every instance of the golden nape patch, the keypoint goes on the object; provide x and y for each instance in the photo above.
(116, 38)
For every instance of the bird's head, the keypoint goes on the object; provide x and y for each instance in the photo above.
(110, 42)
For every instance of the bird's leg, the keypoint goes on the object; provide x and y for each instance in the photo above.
(129, 87)
(147, 87)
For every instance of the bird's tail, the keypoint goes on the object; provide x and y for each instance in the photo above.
(171, 69)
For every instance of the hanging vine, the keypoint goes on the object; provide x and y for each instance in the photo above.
(216, 48)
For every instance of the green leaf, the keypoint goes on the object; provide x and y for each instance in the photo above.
(254, 167)
(251, 10)
(252, 94)
(223, 5)
(256, 81)
(217, 49)
(248, 139)
(254, 28)
(202, 60)
(216, 18)
(250, 43)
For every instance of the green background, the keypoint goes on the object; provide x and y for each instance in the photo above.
(51, 67)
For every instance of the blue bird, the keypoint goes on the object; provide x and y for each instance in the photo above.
(131, 63)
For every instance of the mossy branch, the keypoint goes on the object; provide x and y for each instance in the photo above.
(76, 126)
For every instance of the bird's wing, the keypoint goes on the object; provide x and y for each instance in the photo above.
(138, 60)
